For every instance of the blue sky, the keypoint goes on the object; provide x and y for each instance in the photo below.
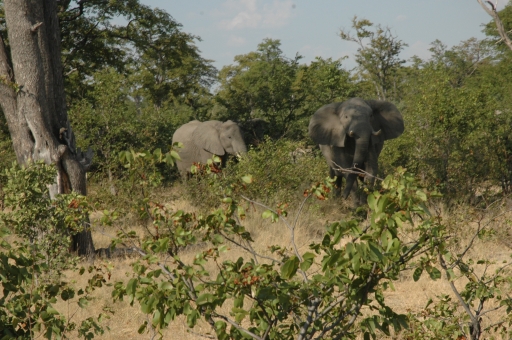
(232, 27)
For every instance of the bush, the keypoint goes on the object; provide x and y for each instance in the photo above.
(281, 171)
(287, 293)
(31, 267)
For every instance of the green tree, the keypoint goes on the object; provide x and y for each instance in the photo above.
(132, 38)
(108, 121)
(289, 293)
(325, 81)
(262, 84)
(377, 57)
(461, 61)
(456, 137)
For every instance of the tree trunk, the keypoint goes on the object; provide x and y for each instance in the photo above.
(33, 100)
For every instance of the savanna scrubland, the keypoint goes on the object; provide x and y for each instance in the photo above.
(262, 249)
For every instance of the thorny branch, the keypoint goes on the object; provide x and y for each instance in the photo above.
(354, 170)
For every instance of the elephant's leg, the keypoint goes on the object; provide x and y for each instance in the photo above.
(345, 160)
(332, 156)
(371, 168)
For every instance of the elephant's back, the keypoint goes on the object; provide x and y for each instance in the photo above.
(185, 131)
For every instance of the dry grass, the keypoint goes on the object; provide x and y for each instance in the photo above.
(407, 296)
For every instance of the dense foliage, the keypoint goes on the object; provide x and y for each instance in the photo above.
(35, 237)
(133, 77)
(281, 169)
(132, 84)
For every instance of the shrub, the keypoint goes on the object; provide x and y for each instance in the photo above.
(281, 170)
(31, 266)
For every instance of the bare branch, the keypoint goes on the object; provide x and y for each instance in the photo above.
(499, 25)
(474, 320)
(353, 170)
(237, 326)
(251, 251)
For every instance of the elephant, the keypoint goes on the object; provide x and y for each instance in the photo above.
(351, 135)
(202, 140)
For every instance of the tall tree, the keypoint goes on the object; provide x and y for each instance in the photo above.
(33, 100)
(132, 38)
(262, 84)
(378, 58)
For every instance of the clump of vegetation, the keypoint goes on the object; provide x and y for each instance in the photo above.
(322, 291)
(32, 262)
(280, 168)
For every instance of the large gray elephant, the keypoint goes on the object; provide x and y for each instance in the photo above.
(351, 135)
(202, 140)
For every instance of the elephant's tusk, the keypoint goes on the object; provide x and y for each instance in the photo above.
(351, 134)
(376, 133)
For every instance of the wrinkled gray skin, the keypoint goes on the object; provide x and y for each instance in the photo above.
(202, 140)
(351, 134)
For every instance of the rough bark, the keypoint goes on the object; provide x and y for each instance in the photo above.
(33, 101)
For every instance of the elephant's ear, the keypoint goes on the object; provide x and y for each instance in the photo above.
(325, 127)
(206, 137)
(387, 118)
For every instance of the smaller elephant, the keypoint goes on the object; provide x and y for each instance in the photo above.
(351, 135)
(202, 140)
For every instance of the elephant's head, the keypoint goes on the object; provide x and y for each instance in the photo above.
(220, 138)
(356, 124)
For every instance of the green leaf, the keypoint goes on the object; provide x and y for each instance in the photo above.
(220, 330)
(421, 195)
(433, 272)
(157, 318)
(82, 302)
(51, 310)
(192, 317)
(417, 274)
(205, 299)
(131, 287)
(239, 301)
(266, 214)
(247, 179)
(356, 262)
(375, 254)
(240, 314)
(289, 269)
(451, 274)
(307, 261)
(142, 327)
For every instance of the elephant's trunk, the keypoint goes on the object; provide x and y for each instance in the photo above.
(240, 149)
(360, 154)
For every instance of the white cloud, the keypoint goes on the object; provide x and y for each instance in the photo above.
(401, 18)
(277, 14)
(235, 40)
(239, 14)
